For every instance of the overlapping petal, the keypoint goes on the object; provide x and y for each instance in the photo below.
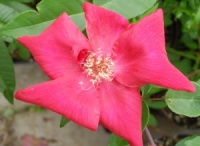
(67, 97)
(141, 57)
(56, 48)
(103, 27)
(121, 111)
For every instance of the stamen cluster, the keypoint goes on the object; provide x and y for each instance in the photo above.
(98, 67)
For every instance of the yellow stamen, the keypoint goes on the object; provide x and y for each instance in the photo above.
(98, 67)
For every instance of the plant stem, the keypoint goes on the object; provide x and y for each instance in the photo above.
(150, 137)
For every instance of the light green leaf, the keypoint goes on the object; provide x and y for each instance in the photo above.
(7, 76)
(184, 103)
(63, 122)
(117, 141)
(17, 5)
(6, 13)
(190, 141)
(128, 8)
(145, 114)
(100, 2)
(32, 23)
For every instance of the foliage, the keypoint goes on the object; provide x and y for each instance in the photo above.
(184, 103)
(182, 19)
(117, 141)
(7, 77)
(63, 121)
(189, 141)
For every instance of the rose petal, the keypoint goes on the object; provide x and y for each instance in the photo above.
(103, 27)
(121, 111)
(67, 97)
(55, 48)
(140, 56)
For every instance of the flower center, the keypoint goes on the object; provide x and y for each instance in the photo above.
(99, 67)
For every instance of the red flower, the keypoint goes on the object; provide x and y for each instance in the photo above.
(97, 80)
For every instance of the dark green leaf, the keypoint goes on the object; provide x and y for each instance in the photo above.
(149, 90)
(156, 104)
(184, 65)
(63, 122)
(26, 1)
(152, 120)
(7, 76)
(2, 85)
(117, 141)
(189, 141)
(23, 52)
(23, 1)
(145, 114)
(184, 103)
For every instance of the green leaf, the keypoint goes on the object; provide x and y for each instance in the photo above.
(189, 141)
(156, 104)
(152, 120)
(2, 85)
(10, 9)
(6, 13)
(184, 103)
(7, 76)
(23, 1)
(128, 8)
(23, 52)
(100, 2)
(63, 122)
(17, 6)
(32, 22)
(26, 1)
(184, 65)
(149, 90)
(117, 141)
(145, 114)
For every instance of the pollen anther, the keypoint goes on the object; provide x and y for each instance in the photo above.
(99, 67)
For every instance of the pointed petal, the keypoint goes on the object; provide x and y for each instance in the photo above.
(55, 48)
(67, 97)
(121, 111)
(103, 27)
(140, 56)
